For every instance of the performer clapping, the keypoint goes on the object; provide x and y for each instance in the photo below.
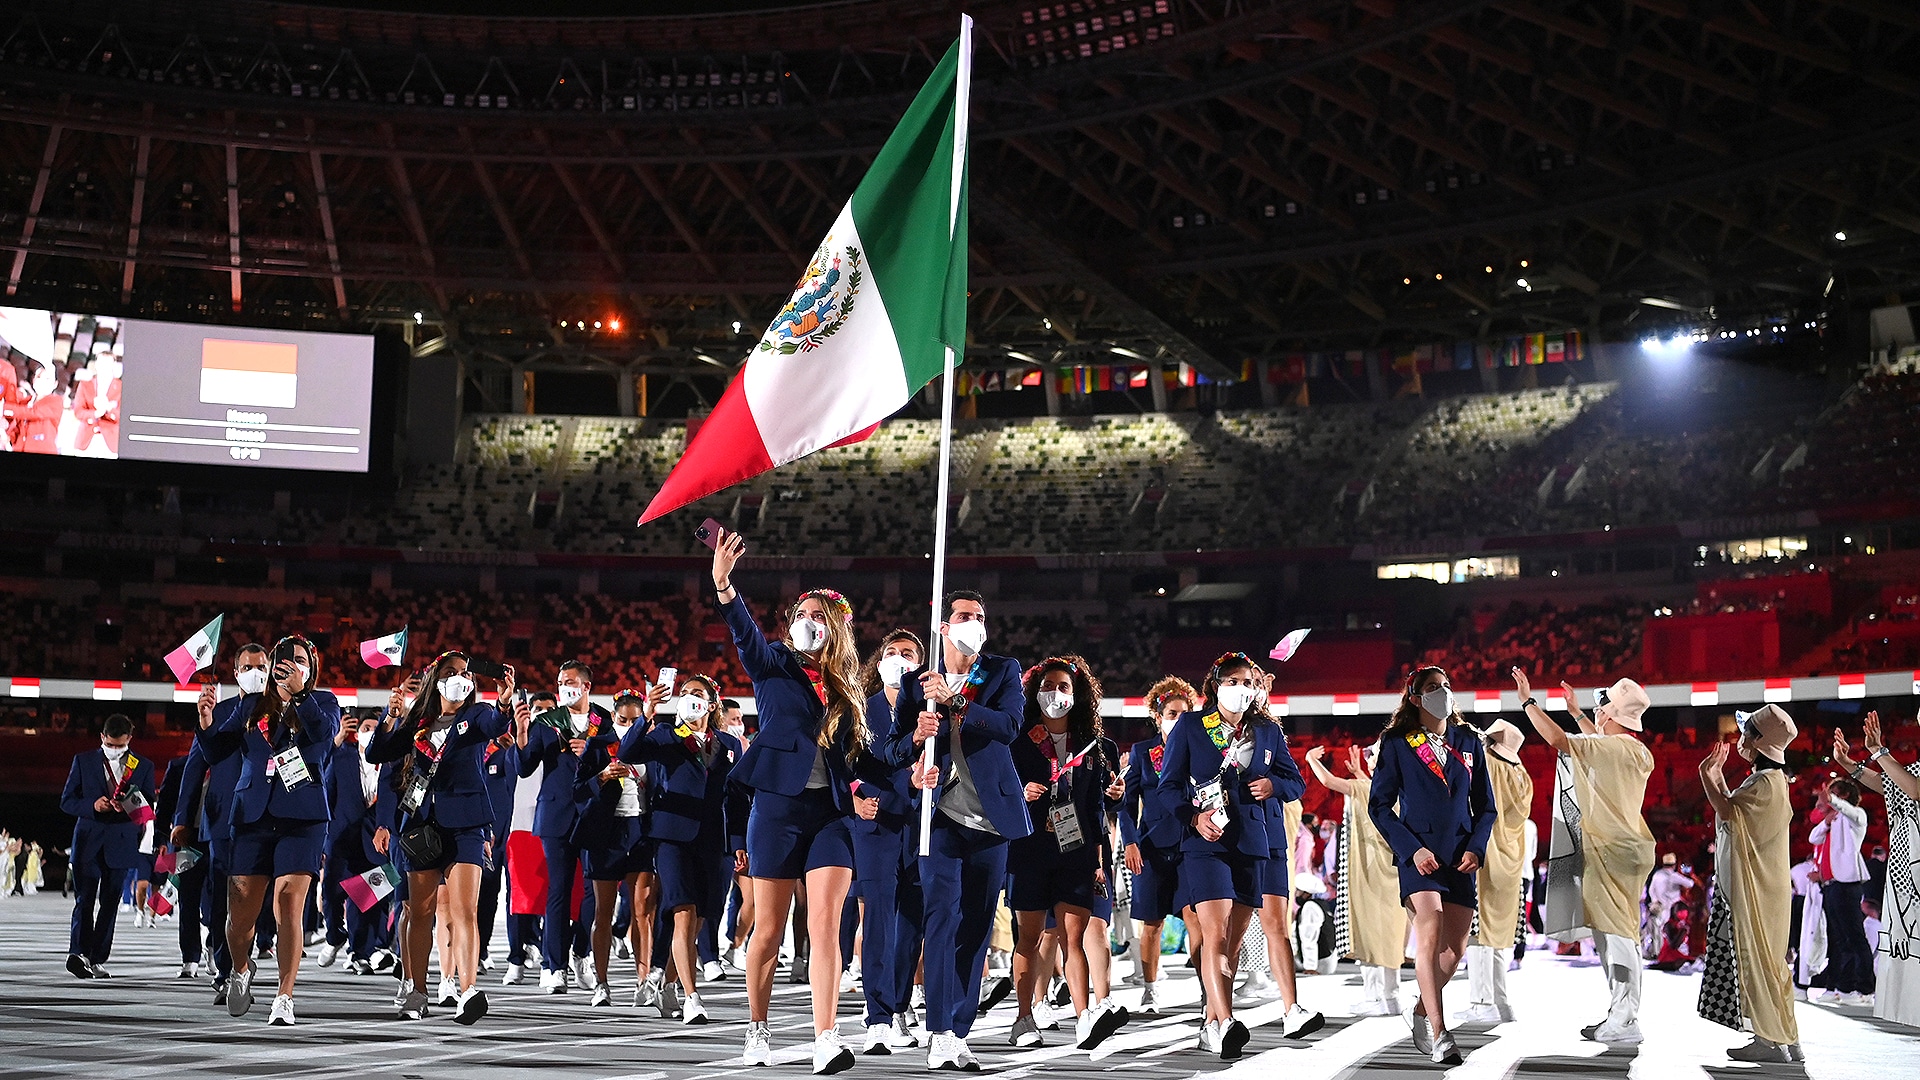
(285, 733)
(1433, 801)
(799, 769)
(445, 818)
(1897, 996)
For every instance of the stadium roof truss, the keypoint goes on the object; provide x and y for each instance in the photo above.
(1202, 181)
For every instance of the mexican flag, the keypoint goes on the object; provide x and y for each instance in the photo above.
(873, 317)
(166, 898)
(197, 653)
(385, 651)
(368, 889)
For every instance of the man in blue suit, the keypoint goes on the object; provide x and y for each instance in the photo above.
(204, 814)
(502, 768)
(104, 788)
(554, 741)
(970, 714)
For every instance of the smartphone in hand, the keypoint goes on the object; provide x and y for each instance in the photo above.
(709, 533)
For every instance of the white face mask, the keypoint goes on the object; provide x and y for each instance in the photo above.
(806, 636)
(252, 680)
(1056, 703)
(363, 736)
(738, 731)
(1166, 726)
(894, 668)
(968, 637)
(570, 696)
(690, 706)
(114, 753)
(1234, 699)
(455, 687)
(1438, 702)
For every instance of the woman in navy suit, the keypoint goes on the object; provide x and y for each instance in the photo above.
(284, 730)
(1150, 834)
(1059, 869)
(1219, 773)
(1433, 801)
(813, 725)
(886, 850)
(440, 744)
(686, 823)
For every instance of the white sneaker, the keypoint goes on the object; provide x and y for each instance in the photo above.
(486, 963)
(1484, 1012)
(942, 1051)
(472, 1005)
(1025, 1033)
(622, 949)
(694, 1011)
(1300, 1022)
(1422, 1033)
(516, 974)
(449, 992)
(1855, 998)
(1043, 1017)
(583, 972)
(1149, 999)
(831, 1054)
(919, 997)
(1627, 1034)
(282, 1014)
(400, 993)
(326, 955)
(877, 1039)
(553, 982)
(602, 995)
(1444, 1050)
(188, 971)
(413, 1003)
(711, 971)
(759, 1048)
(900, 1035)
(1233, 1038)
(849, 982)
(669, 1001)
(1097, 1023)
(1258, 986)
(240, 991)
(649, 989)
(1210, 1036)
(968, 1063)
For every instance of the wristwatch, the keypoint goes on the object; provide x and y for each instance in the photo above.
(1529, 703)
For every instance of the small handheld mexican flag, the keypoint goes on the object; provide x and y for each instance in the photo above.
(138, 809)
(197, 653)
(876, 310)
(371, 887)
(386, 651)
(166, 898)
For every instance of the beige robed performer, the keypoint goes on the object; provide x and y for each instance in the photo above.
(1500, 879)
(1609, 768)
(1754, 875)
(1370, 924)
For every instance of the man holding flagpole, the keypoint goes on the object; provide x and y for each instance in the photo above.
(969, 716)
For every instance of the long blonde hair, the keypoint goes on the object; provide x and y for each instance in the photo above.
(839, 662)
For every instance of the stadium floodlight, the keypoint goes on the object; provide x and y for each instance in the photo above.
(1663, 302)
(1118, 350)
(419, 317)
(1522, 284)
(1840, 236)
(1017, 355)
(1668, 349)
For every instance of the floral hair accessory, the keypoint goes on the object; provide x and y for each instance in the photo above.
(1232, 659)
(833, 599)
(628, 694)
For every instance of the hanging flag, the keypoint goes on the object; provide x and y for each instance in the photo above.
(1536, 348)
(197, 653)
(1556, 349)
(1576, 350)
(1289, 645)
(870, 321)
(386, 651)
(371, 887)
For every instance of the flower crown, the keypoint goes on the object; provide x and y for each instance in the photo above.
(1232, 659)
(833, 599)
(628, 692)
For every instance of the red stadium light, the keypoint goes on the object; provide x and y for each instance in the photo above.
(614, 325)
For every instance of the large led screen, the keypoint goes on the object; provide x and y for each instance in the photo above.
(104, 387)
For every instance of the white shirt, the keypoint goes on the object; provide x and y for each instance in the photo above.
(1061, 752)
(1841, 831)
(579, 721)
(369, 775)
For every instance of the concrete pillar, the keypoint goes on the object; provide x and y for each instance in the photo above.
(1157, 383)
(1047, 383)
(628, 400)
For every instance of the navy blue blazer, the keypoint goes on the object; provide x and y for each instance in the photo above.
(216, 779)
(557, 812)
(502, 766)
(781, 756)
(987, 730)
(111, 835)
(1086, 784)
(1192, 761)
(1288, 785)
(166, 801)
(1146, 816)
(257, 794)
(1414, 809)
(688, 795)
(877, 778)
(458, 797)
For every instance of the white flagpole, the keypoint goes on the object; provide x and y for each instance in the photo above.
(963, 86)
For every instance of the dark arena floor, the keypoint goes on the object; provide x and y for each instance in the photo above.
(145, 1024)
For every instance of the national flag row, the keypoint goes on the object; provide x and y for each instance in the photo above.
(1569, 347)
(197, 653)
